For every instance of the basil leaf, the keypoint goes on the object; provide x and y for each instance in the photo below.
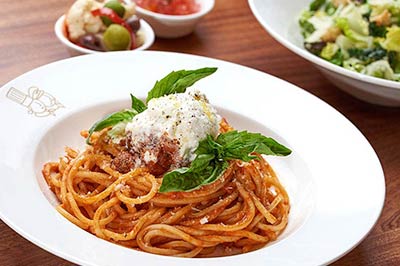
(137, 104)
(178, 81)
(213, 156)
(188, 179)
(111, 120)
(201, 162)
(238, 145)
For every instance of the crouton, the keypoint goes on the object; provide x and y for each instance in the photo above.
(337, 3)
(383, 19)
(331, 34)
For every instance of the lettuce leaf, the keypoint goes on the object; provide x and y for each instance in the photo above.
(306, 27)
(368, 55)
(378, 6)
(380, 69)
(321, 23)
(392, 41)
(354, 64)
(376, 30)
(337, 59)
(316, 4)
(394, 61)
(355, 19)
(329, 51)
(361, 40)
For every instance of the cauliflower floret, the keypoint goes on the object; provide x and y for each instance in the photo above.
(80, 20)
(130, 10)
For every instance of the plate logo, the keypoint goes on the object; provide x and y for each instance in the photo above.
(38, 102)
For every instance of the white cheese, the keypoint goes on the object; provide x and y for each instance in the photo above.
(204, 220)
(186, 117)
(118, 187)
(149, 157)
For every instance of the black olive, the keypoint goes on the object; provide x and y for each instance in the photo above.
(315, 47)
(92, 42)
(134, 23)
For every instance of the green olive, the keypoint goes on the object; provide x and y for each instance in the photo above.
(117, 7)
(116, 38)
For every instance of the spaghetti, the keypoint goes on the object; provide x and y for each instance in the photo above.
(243, 210)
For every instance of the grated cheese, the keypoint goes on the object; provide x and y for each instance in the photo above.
(204, 220)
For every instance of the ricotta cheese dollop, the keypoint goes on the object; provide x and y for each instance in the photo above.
(186, 117)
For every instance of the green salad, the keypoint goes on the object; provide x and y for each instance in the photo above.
(359, 35)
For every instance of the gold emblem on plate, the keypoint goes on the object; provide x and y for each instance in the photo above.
(38, 102)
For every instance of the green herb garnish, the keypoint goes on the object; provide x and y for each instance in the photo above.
(178, 82)
(212, 159)
(137, 104)
(111, 120)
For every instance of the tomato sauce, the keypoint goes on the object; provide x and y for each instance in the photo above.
(170, 7)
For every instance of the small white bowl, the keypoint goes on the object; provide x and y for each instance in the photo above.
(281, 21)
(74, 50)
(175, 26)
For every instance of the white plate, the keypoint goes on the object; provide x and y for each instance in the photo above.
(334, 178)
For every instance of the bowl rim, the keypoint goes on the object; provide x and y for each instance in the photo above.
(204, 9)
(149, 37)
(317, 60)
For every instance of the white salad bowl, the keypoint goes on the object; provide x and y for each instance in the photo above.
(175, 26)
(59, 28)
(281, 21)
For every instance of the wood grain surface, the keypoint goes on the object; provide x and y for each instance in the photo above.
(230, 33)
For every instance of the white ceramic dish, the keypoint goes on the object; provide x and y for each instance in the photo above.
(333, 177)
(281, 21)
(170, 26)
(145, 30)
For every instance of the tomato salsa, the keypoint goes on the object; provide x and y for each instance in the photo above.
(170, 7)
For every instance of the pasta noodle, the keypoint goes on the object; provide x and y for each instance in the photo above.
(243, 210)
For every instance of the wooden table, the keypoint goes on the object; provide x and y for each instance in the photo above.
(230, 33)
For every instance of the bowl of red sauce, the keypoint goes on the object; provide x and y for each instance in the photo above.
(173, 18)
